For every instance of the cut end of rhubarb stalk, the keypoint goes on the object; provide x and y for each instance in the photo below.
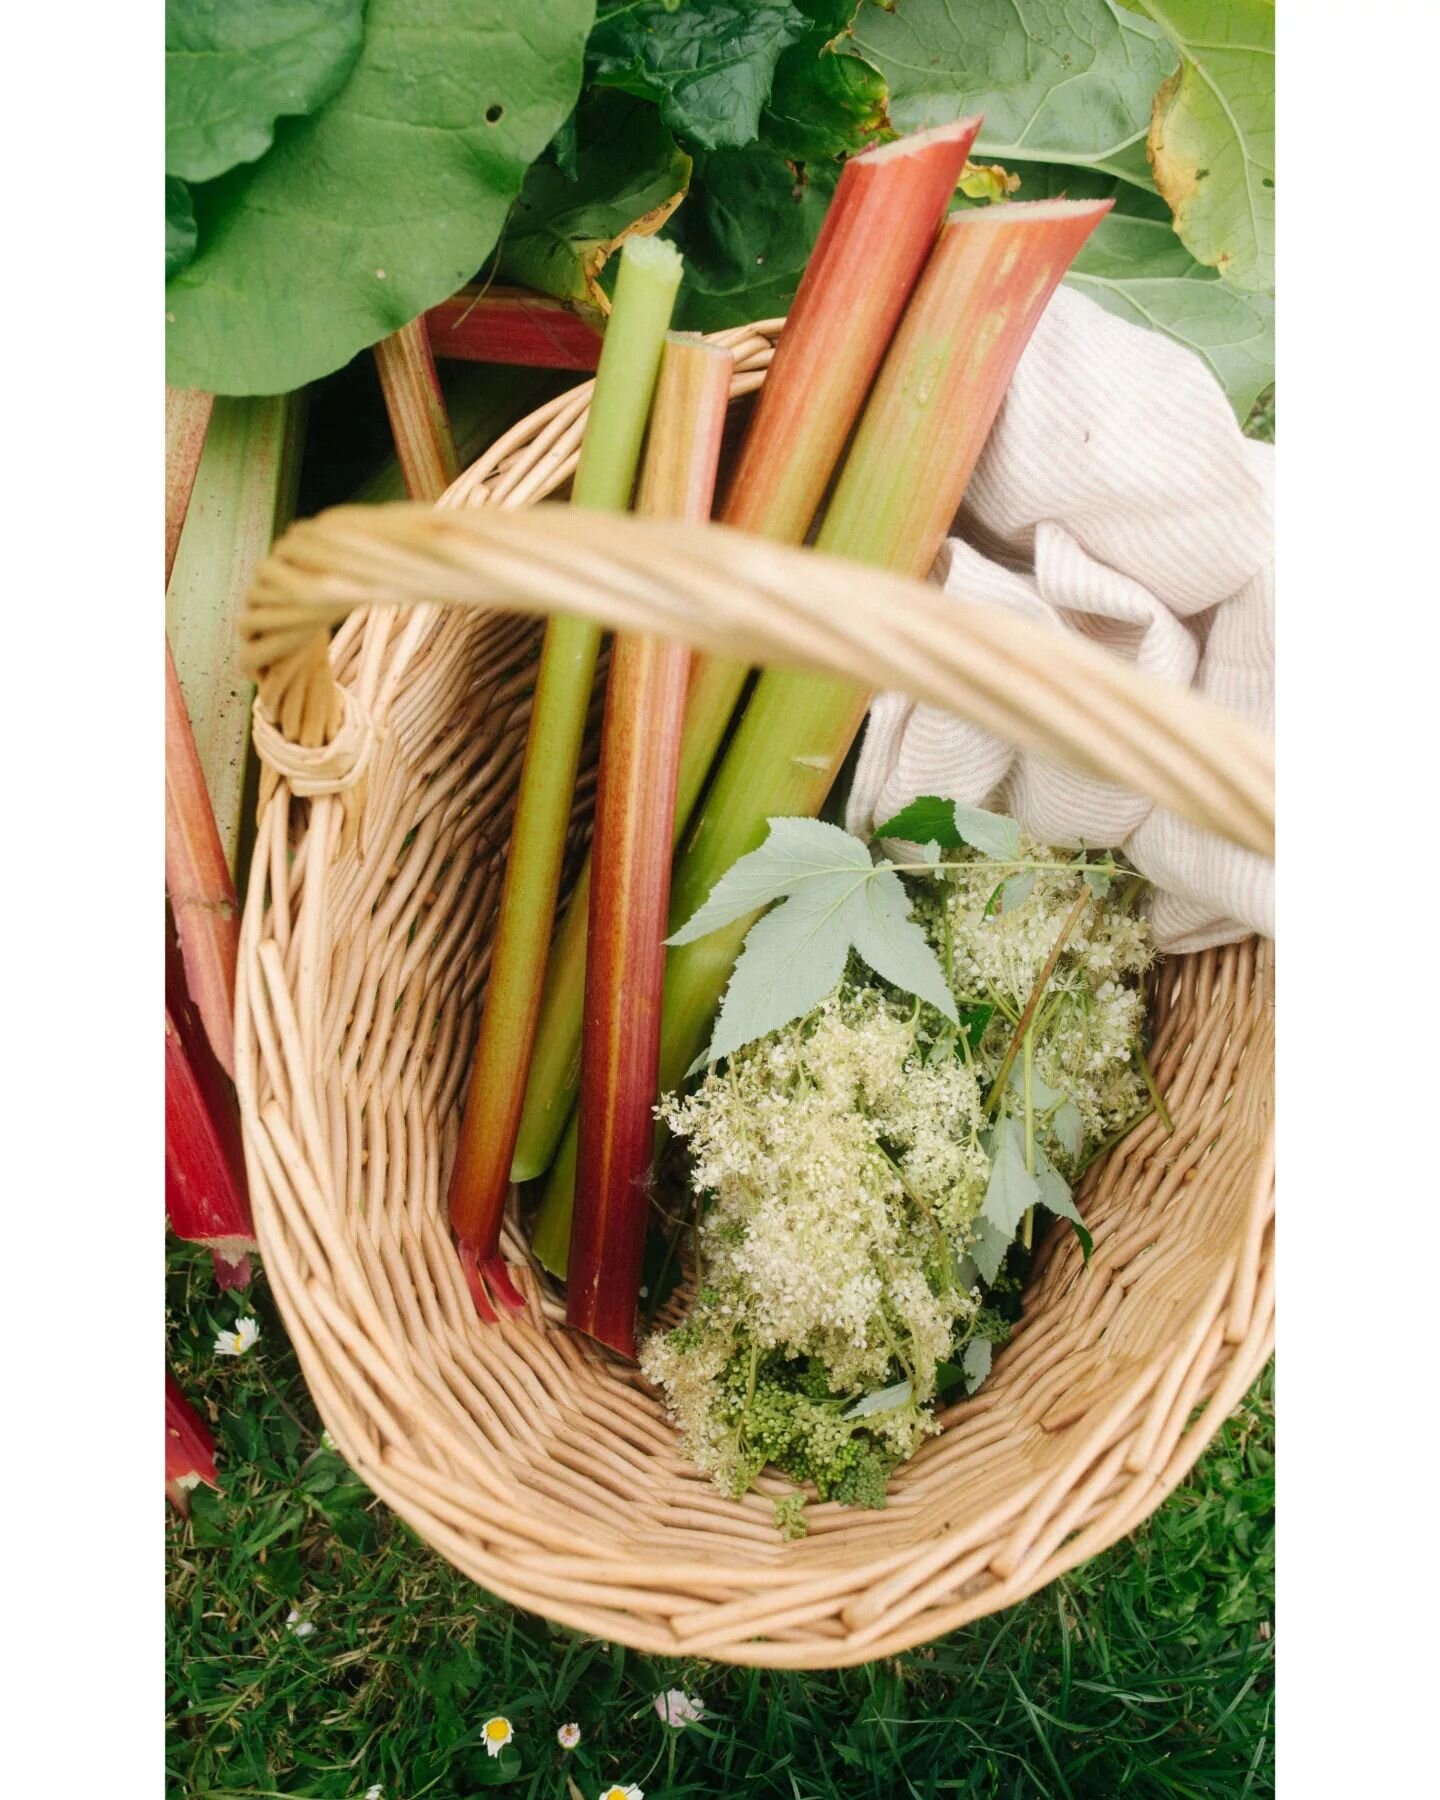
(491, 1287)
(189, 1448)
(962, 133)
(231, 1270)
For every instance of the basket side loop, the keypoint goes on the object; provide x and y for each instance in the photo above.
(313, 770)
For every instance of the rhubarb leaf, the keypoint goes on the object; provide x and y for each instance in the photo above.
(629, 175)
(1212, 133)
(381, 204)
(834, 900)
(824, 103)
(179, 226)
(708, 63)
(232, 71)
(746, 230)
(1066, 84)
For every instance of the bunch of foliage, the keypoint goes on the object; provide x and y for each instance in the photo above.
(335, 168)
(905, 1066)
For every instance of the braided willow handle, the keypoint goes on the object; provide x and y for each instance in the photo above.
(730, 594)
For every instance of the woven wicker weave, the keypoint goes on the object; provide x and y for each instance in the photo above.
(544, 1470)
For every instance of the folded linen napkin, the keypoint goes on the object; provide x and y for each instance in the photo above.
(1118, 498)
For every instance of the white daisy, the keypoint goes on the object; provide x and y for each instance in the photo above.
(679, 1709)
(628, 1792)
(497, 1733)
(238, 1341)
(569, 1736)
(374, 1792)
(300, 1627)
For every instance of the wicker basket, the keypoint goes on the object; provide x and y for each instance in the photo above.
(536, 1464)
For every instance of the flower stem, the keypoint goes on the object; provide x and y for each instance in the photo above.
(1042, 981)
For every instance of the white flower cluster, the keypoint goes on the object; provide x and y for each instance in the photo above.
(842, 1165)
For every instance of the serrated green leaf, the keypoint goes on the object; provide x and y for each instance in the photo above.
(974, 1020)
(795, 852)
(232, 70)
(380, 205)
(976, 1362)
(1016, 891)
(987, 1248)
(1069, 1128)
(929, 817)
(1055, 1195)
(834, 899)
(1212, 133)
(708, 64)
(882, 1400)
(1070, 83)
(628, 175)
(1098, 881)
(992, 834)
(1012, 1190)
(179, 226)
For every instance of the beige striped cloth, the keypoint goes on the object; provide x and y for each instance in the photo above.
(1117, 498)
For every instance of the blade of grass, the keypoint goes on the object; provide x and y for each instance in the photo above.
(629, 897)
(882, 222)
(644, 298)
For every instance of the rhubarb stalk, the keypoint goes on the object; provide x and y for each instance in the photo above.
(419, 422)
(630, 874)
(189, 1449)
(187, 419)
(206, 1198)
(644, 298)
(983, 291)
(881, 224)
(244, 495)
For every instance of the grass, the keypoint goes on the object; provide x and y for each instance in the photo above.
(1148, 1672)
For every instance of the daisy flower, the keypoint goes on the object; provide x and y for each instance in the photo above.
(628, 1792)
(238, 1341)
(300, 1627)
(373, 1793)
(678, 1709)
(569, 1736)
(497, 1733)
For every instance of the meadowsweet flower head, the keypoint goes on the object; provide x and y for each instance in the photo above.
(237, 1341)
(679, 1709)
(299, 1627)
(569, 1736)
(497, 1733)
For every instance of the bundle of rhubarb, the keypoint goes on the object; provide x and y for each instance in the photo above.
(898, 1075)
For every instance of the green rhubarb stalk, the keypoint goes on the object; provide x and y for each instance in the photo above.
(244, 495)
(419, 423)
(645, 291)
(982, 293)
(629, 899)
(882, 220)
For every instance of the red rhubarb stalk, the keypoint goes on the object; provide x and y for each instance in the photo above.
(206, 1197)
(512, 325)
(630, 875)
(419, 422)
(644, 297)
(878, 230)
(189, 1449)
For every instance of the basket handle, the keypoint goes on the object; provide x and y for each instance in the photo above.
(731, 594)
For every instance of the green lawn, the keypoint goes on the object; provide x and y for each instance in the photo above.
(1147, 1672)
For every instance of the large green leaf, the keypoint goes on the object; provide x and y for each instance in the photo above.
(232, 70)
(1212, 136)
(746, 228)
(1135, 266)
(179, 226)
(824, 103)
(708, 63)
(380, 205)
(629, 174)
(1068, 81)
